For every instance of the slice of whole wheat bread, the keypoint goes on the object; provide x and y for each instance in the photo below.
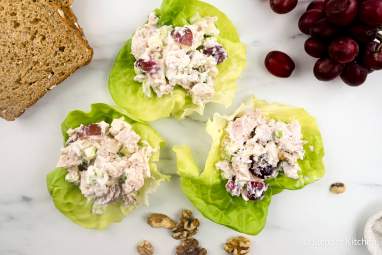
(41, 44)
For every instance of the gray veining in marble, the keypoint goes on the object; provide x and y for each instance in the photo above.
(309, 221)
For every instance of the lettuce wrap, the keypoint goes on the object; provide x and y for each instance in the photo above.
(68, 198)
(206, 189)
(129, 94)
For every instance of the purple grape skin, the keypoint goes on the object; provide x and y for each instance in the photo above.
(255, 190)
(217, 52)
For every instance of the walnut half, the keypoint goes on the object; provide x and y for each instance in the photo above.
(158, 220)
(237, 245)
(186, 227)
(338, 188)
(145, 248)
(190, 247)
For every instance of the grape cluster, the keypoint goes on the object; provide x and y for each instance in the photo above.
(345, 36)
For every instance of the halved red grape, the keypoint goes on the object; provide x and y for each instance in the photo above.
(327, 69)
(372, 57)
(341, 12)
(308, 19)
(233, 187)
(183, 35)
(255, 190)
(283, 6)
(316, 5)
(370, 12)
(279, 64)
(354, 74)
(363, 33)
(148, 66)
(217, 52)
(343, 50)
(85, 131)
(323, 29)
(315, 48)
(92, 129)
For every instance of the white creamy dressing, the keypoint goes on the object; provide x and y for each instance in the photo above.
(258, 149)
(108, 162)
(186, 56)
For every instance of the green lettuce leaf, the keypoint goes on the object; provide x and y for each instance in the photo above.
(128, 93)
(312, 166)
(206, 189)
(68, 198)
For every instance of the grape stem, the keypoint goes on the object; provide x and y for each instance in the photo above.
(379, 39)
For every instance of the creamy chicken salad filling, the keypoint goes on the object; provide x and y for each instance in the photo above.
(258, 149)
(187, 56)
(108, 162)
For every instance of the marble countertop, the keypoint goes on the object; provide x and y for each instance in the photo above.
(310, 221)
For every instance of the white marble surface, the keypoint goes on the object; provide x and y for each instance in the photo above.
(310, 221)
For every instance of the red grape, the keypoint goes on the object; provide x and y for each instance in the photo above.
(341, 12)
(323, 29)
(326, 69)
(343, 34)
(316, 5)
(283, 6)
(354, 74)
(363, 33)
(372, 57)
(147, 66)
(92, 129)
(217, 52)
(254, 190)
(343, 50)
(315, 47)
(279, 64)
(183, 35)
(85, 131)
(308, 19)
(371, 12)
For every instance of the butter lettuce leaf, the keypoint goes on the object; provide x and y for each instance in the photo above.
(68, 198)
(128, 93)
(210, 197)
(312, 166)
(206, 189)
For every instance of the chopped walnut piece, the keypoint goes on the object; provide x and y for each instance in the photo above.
(186, 227)
(237, 245)
(337, 188)
(145, 248)
(158, 220)
(190, 247)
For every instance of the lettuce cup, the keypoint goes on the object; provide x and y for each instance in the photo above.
(187, 55)
(257, 152)
(107, 167)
